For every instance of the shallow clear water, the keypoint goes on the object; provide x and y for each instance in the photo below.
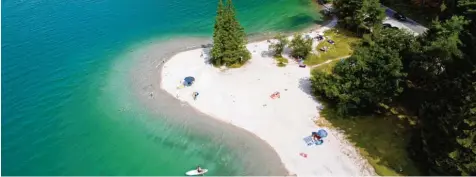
(65, 107)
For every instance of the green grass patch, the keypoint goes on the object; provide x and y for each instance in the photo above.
(381, 140)
(343, 46)
(327, 68)
(236, 65)
(281, 61)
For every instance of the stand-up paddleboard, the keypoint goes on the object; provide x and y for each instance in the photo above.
(195, 172)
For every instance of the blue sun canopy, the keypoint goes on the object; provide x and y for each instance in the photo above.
(188, 81)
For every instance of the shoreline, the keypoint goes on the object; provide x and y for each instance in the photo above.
(145, 76)
(342, 157)
(258, 157)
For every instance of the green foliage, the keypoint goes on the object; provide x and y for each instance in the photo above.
(300, 46)
(371, 76)
(229, 39)
(449, 129)
(281, 61)
(440, 82)
(399, 40)
(218, 36)
(446, 75)
(359, 15)
(278, 47)
(439, 49)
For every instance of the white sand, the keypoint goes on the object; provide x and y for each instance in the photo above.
(242, 98)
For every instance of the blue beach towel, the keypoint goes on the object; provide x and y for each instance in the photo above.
(309, 141)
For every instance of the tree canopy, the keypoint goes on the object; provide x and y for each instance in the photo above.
(359, 15)
(229, 39)
(432, 75)
(372, 75)
(300, 46)
(278, 47)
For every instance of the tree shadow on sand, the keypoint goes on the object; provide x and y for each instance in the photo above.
(206, 55)
(305, 86)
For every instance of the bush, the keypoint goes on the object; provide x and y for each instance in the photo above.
(300, 47)
(371, 76)
(281, 62)
(278, 47)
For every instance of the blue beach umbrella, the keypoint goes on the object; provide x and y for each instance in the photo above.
(189, 80)
(322, 133)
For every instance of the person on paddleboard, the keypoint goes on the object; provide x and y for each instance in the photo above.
(199, 170)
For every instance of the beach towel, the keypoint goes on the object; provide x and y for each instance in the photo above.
(309, 141)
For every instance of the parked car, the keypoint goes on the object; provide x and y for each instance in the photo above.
(399, 16)
(386, 25)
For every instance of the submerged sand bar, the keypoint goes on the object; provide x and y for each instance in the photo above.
(241, 97)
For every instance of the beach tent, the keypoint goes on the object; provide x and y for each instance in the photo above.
(322, 133)
(188, 81)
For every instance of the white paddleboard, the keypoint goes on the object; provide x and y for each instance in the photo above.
(195, 172)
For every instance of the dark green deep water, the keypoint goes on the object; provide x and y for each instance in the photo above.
(62, 116)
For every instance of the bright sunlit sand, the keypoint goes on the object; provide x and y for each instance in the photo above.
(242, 97)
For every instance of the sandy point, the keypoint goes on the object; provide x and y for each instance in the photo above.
(242, 97)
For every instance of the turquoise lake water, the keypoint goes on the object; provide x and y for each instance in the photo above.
(59, 111)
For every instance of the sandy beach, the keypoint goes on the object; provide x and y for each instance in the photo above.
(241, 97)
(144, 63)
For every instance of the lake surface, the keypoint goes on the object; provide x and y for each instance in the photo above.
(61, 115)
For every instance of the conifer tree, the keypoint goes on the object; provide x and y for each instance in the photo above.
(229, 38)
(218, 33)
(239, 53)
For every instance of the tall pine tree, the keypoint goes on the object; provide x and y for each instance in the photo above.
(229, 38)
(218, 33)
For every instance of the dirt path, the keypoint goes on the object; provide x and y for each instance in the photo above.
(328, 61)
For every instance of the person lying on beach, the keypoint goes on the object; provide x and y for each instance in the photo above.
(315, 136)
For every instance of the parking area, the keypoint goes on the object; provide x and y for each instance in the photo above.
(407, 24)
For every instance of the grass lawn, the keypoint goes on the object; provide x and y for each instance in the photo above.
(327, 68)
(343, 47)
(281, 61)
(381, 140)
